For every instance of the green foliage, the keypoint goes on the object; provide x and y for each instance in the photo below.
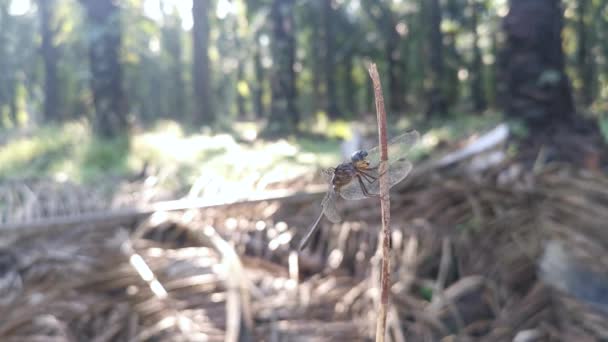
(39, 153)
(104, 156)
(603, 123)
(426, 293)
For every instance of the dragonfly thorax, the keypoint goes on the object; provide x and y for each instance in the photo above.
(343, 174)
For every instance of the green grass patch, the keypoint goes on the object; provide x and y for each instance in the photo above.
(181, 158)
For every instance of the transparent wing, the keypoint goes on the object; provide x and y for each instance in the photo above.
(397, 172)
(398, 148)
(327, 174)
(352, 191)
(329, 207)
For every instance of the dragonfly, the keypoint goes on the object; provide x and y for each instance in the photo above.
(359, 178)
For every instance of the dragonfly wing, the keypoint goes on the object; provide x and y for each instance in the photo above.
(370, 179)
(352, 190)
(327, 174)
(397, 172)
(398, 148)
(329, 207)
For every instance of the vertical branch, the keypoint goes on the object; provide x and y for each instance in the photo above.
(385, 205)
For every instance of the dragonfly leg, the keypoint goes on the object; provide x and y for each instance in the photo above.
(367, 176)
(374, 179)
(364, 189)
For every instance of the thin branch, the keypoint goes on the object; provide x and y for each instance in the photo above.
(385, 205)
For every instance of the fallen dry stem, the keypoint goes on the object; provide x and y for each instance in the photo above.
(385, 205)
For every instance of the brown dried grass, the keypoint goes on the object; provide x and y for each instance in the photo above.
(464, 268)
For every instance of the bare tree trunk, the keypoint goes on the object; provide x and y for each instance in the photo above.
(203, 111)
(396, 71)
(538, 89)
(173, 46)
(315, 46)
(50, 56)
(386, 24)
(437, 100)
(331, 105)
(284, 116)
(5, 77)
(479, 100)
(349, 85)
(258, 87)
(103, 18)
(584, 60)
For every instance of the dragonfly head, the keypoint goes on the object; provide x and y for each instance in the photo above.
(358, 158)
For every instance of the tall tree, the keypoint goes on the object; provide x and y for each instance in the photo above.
(258, 86)
(538, 89)
(437, 100)
(315, 55)
(329, 69)
(583, 54)
(104, 35)
(172, 43)
(284, 116)
(5, 83)
(202, 72)
(385, 20)
(50, 55)
(479, 100)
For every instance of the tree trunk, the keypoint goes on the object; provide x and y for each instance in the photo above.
(584, 60)
(477, 94)
(173, 46)
(537, 88)
(284, 116)
(240, 75)
(4, 65)
(386, 24)
(46, 10)
(395, 72)
(203, 110)
(103, 19)
(349, 86)
(437, 101)
(331, 104)
(315, 45)
(258, 87)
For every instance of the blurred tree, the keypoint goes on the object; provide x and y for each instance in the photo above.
(256, 15)
(284, 116)
(204, 109)
(172, 44)
(104, 36)
(243, 51)
(437, 101)
(50, 55)
(329, 69)
(584, 61)
(477, 93)
(538, 89)
(455, 22)
(387, 23)
(314, 44)
(5, 83)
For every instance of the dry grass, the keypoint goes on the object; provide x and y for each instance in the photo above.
(466, 251)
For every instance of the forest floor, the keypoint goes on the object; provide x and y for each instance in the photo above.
(476, 257)
(502, 253)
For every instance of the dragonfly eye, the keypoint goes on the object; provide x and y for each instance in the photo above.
(358, 156)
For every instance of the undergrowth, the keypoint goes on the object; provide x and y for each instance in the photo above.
(179, 157)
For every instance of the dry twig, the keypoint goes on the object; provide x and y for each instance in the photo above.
(385, 205)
